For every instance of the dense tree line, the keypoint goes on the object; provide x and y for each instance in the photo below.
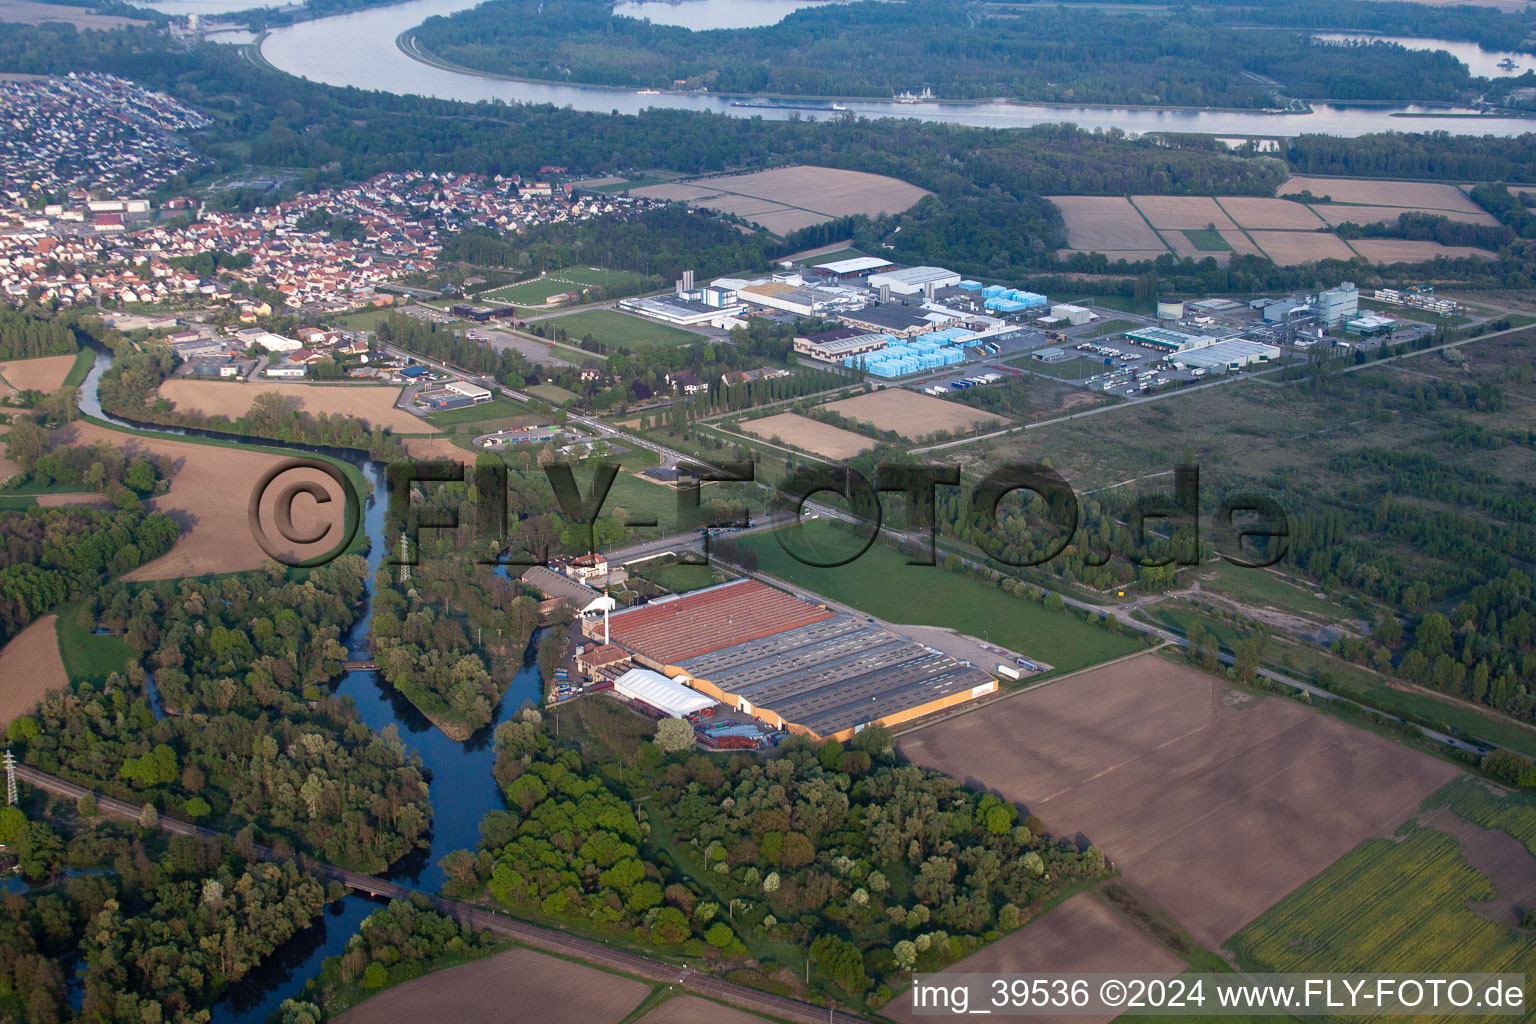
(1057, 54)
(251, 740)
(452, 637)
(161, 927)
(1433, 228)
(888, 867)
(28, 337)
(49, 556)
(395, 944)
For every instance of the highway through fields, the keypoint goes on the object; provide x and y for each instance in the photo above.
(535, 936)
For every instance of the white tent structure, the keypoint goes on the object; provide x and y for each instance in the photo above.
(661, 693)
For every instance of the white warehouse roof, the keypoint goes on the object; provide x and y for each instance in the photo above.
(912, 279)
(660, 692)
(855, 265)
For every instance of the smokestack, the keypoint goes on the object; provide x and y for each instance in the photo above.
(605, 624)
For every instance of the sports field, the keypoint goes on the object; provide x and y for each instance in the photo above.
(912, 415)
(1215, 801)
(881, 583)
(537, 291)
(808, 435)
(1437, 900)
(621, 330)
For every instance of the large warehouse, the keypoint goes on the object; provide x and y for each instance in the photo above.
(656, 690)
(912, 280)
(791, 663)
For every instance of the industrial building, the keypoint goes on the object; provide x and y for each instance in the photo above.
(1370, 326)
(1051, 355)
(656, 691)
(796, 665)
(1074, 315)
(849, 270)
(678, 311)
(584, 601)
(914, 280)
(1163, 339)
(843, 343)
(476, 394)
(1233, 354)
(1337, 305)
(891, 318)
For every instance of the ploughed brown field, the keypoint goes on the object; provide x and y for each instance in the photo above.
(1083, 935)
(209, 497)
(811, 435)
(1216, 802)
(1107, 224)
(694, 1010)
(45, 373)
(789, 198)
(913, 415)
(512, 987)
(374, 404)
(1423, 195)
(30, 666)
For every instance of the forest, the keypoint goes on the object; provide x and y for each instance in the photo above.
(880, 868)
(239, 731)
(49, 556)
(430, 633)
(1058, 54)
(28, 337)
(160, 926)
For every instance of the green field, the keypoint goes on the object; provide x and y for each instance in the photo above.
(1263, 587)
(1207, 240)
(1105, 328)
(76, 375)
(1397, 906)
(571, 279)
(1070, 369)
(364, 320)
(680, 579)
(495, 409)
(881, 583)
(552, 393)
(833, 257)
(87, 656)
(620, 330)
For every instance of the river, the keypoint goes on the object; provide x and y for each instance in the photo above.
(360, 49)
(1482, 63)
(461, 784)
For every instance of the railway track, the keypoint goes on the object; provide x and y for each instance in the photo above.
(536, 936)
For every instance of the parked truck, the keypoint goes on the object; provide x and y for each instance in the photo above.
(1009, 672)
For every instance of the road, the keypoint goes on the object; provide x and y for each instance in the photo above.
(535, 936)
(672, 458)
